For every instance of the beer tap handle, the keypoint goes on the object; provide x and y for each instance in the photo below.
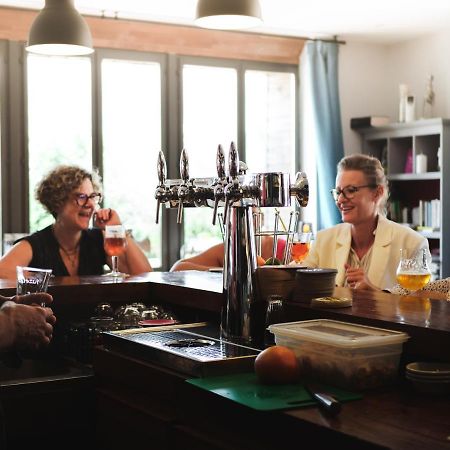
(220, 163)
(161, 189)
(233, 161)
(183, 189)
(218, 190)
(184, 166)
(162, 168)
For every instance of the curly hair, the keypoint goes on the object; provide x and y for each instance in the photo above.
(373, 171)
(55, 188)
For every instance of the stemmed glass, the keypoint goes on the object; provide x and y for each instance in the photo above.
(300, 247)
(115, 243)
(413, 272)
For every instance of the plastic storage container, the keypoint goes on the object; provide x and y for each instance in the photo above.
(343, 354)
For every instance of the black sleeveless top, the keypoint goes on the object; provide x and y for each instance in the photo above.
(46, 252)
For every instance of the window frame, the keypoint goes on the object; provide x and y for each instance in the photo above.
(14, 136)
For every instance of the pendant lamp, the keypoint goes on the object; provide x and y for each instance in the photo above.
(228, 14)
(59, 29)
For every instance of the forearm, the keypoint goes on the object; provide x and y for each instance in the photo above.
(187, 265)
(134, 260)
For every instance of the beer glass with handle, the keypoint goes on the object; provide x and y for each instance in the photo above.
(413, 272)
(115, 243)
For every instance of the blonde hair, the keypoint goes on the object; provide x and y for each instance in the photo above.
(55, 188)
(373, 171)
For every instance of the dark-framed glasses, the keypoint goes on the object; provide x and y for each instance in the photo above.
(82, 199)
(349, 191)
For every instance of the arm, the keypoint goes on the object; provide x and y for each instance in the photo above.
(19, 255)
(133, 261)
(212, 257)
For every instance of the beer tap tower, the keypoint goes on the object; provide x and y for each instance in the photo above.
(237, 192)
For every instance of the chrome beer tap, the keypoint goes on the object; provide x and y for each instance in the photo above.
(221, 182)
(239, 192)
(185, 190)
(161, 190)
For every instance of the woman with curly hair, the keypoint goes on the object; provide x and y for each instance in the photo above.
(69, 246)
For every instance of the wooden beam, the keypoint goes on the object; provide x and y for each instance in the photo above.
(165, 38)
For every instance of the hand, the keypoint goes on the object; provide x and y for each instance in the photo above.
(31, 326)
(38, 298)
(356, 278)
(106, 216)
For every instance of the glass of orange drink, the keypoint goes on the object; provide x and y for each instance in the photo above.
(413, 272)
(300, 247)
(115, 242)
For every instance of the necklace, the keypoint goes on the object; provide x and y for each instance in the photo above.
(72, 255)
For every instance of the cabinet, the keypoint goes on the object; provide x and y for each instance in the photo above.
(419, 194)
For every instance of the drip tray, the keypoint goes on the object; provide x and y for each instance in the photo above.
(184, 350)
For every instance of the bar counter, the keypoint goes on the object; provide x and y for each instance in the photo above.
(139, 402)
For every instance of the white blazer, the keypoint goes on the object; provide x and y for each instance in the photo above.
(332, 246)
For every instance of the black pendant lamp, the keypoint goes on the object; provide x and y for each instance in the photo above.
(228, 14)
(59, 29)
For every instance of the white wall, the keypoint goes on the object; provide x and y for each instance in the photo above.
(369, 76)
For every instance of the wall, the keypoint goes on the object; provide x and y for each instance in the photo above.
(369, 75)
(364, 87)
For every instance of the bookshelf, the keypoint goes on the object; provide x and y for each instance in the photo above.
(421, 200)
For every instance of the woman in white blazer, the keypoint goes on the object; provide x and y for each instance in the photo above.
(365, 248)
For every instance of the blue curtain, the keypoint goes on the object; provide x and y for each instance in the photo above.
(322, 64)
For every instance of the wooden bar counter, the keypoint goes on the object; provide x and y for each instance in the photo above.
(142, 403)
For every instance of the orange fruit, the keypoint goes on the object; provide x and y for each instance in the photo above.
(277, 365)
(260, 261)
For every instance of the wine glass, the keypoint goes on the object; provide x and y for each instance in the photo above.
(115, 243)
(300, 247)
(413, 272)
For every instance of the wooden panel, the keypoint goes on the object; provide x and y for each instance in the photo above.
(164, 38)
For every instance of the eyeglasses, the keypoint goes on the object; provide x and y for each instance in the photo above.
(349, 191)
(82, 199)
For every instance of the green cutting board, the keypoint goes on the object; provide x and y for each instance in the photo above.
(244, 388)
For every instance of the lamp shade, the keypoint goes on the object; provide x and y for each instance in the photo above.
(59, 29)
(228, 14)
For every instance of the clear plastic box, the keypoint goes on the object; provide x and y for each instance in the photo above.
(343, 354)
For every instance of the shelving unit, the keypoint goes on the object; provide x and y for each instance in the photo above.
(422, 200)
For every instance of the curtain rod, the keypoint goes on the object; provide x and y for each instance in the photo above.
(335, 40)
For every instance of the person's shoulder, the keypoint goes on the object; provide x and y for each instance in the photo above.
(335, 229)
(403, 231)
(44, 233)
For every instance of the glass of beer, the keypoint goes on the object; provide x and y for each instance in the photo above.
(115, 243)
(413, 272)
(300, 247)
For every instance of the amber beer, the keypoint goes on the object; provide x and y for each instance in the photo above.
(300, 251)
(115, 246)
(413, 281)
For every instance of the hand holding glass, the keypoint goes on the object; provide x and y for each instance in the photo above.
(115, 244)
(31, 280)
(413, 272)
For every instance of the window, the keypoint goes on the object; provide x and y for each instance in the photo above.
(131, 136)
(116, 109)
(209, 119)
(59, 121)
(270, 100)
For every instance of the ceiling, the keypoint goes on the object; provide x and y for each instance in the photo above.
(376, 21)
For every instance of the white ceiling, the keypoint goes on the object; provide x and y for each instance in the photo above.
(377, 21)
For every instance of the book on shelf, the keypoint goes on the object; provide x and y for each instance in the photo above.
(368, 121)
